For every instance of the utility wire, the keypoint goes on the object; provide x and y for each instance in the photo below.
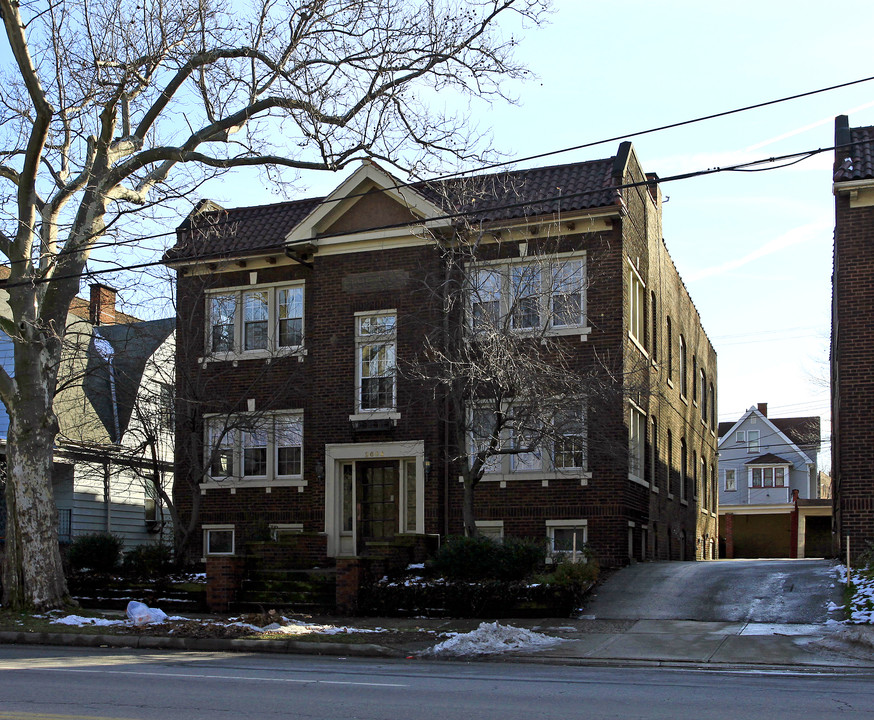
(460, 214)
(561, 151)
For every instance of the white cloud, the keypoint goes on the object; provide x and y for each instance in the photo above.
(795, 236)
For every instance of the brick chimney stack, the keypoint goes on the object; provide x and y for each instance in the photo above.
(763, 408)
(101, 307)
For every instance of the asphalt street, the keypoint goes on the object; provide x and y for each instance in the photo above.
(138, 685)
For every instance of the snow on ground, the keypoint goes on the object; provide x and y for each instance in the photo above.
(491, 638)
(80, 621)
(861, 609)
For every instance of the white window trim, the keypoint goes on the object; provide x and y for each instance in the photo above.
(503, 268)
(725, 479)
(768, 466)
(237, 479)
(637, 418)
(758, 441)
(552, 525)
(636, 308)
(239, 352)
(221, 528)
(491, 525)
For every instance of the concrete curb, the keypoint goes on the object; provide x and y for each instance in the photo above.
(157, 642)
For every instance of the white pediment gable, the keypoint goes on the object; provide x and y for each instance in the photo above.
(767, 429)
(368, 177)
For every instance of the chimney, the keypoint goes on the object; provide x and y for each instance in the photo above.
(101, 308)
(763, 408)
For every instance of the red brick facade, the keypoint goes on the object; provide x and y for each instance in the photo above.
(654, 517)
(852, 346)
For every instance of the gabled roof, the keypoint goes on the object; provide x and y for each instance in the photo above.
(768, 459)
(510, 195)
(856, 161)
(802, 428)
(129, 347)
(803, 431)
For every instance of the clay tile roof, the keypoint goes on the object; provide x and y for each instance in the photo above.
(499, 196)
(856, 162)
(768, 459)
(260, 228)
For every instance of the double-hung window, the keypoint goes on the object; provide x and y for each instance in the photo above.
(526, 292)
(255, 320)
(730, 480)
(636, 307)
(548, 293)
(636, 442)
(376, 341)
(753, 441)
(256, 448)
(569, 445)
(483, 438)
(223, 323)
(532, 458)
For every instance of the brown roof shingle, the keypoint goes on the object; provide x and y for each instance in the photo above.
(499, 196)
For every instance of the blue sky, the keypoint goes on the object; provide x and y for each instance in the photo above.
(753, 248)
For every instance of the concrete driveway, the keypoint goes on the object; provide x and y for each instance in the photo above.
(753, 591)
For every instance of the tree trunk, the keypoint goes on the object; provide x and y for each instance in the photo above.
(467, 512)
(33, 576)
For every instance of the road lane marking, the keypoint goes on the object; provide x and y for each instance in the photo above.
(43, 716)
(204, 676)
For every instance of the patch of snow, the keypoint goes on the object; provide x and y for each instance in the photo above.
(80, 621)
(416, 566)
(490, 638)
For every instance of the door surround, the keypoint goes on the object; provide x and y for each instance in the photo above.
(337, 455)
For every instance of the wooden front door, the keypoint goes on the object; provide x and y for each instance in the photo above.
(377, 504)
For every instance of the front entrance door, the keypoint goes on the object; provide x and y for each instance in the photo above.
(377, 505)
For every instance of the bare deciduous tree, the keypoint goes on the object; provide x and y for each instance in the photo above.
(518, 385)
(113, 107)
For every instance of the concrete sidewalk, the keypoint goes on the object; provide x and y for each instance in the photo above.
(584, 641)
(721, 644)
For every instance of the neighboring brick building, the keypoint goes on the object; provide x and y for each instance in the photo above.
(852, 341)
(281, 304)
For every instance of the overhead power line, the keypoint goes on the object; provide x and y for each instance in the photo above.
(573, 148)
(793, 157)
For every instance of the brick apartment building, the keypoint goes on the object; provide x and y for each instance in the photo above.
(279, 306)
(852, 340)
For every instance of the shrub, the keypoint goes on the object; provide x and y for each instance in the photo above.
(97, 552)
(479, 558)
(148, 561)
(574, 579)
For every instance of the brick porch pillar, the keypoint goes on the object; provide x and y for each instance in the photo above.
(223, 579)
(350, 573)
(729, 535)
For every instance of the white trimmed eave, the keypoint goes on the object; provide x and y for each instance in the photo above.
(553, 225)
(369, 176)
(861, 192)
(773, 509)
